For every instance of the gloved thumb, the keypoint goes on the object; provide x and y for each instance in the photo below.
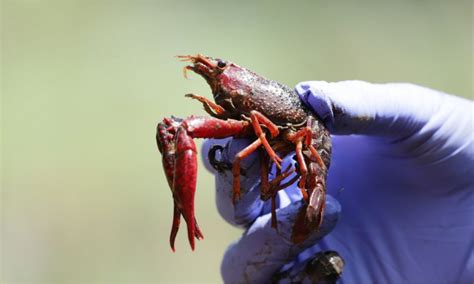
(395, 110)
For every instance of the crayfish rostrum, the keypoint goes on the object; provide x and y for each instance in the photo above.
(247, 105)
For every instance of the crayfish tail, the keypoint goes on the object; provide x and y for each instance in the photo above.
(317, 203)
(300, 229)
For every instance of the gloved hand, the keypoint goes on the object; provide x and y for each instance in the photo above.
(403, 171)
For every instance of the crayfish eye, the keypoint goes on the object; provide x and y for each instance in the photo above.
(221, 64)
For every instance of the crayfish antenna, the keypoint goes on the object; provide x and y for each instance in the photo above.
(184, 58)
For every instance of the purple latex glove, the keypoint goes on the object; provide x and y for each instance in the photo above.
(262, 251)
(405, 183)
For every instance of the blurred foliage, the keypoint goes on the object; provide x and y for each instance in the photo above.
(84, 199)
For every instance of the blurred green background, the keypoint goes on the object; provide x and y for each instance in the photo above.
(84, 198)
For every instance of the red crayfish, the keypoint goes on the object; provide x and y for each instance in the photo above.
(247, 105)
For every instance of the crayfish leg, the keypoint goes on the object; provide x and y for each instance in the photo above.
(302, 169)
(236, 167)
(270, 189)
(274, 215)
(210, 107)
(257, 119)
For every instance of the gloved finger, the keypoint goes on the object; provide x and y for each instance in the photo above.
(395, 109)
(262, 251)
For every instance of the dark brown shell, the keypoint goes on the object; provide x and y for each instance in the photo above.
(276, 101)
(248, 91)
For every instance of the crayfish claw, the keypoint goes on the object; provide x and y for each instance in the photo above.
(198, 232)
(180, 165)
(175, 226)
(185, 177)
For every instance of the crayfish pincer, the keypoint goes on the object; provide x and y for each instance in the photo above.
(271, 114)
